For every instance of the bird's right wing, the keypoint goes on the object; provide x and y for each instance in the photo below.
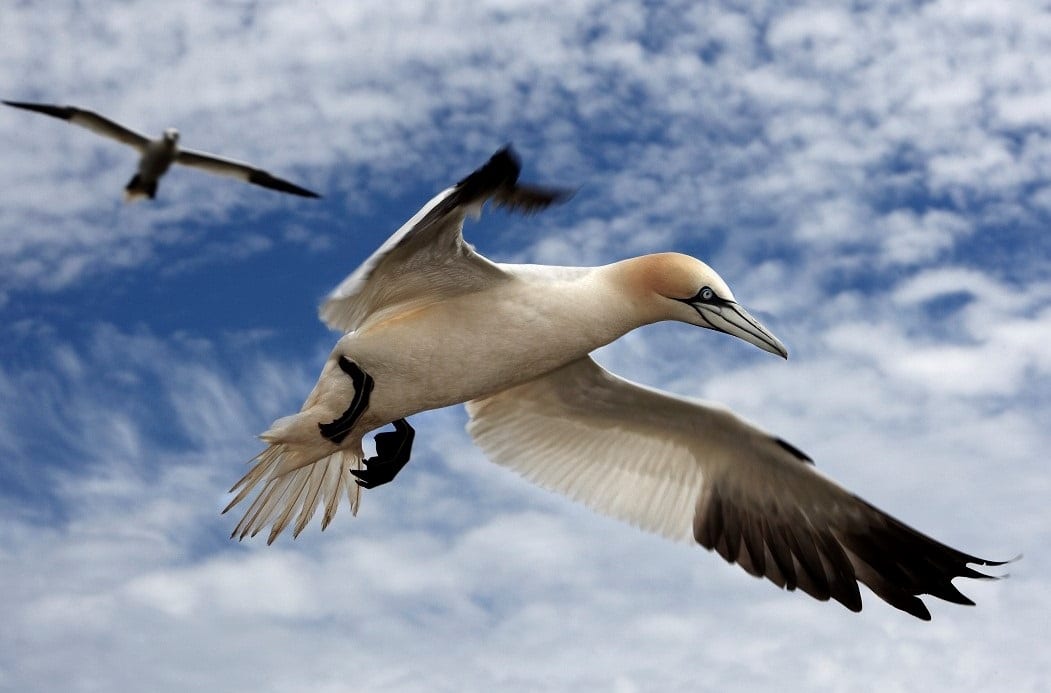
(87, 119)
(241, 171)
(427, 259)
(687, 470)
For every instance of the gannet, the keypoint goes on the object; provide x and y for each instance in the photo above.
(430, 323)
(156, 156)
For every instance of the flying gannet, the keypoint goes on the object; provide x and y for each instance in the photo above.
(430, 323)
(156, 156)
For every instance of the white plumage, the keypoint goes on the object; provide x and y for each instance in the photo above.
(430, 323)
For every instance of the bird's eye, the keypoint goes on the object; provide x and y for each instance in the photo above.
(706, 294)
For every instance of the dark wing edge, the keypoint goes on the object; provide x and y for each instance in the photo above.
(89, 120)
(439, 224)
(266, 180)
(757, 501)
(529, 199)
(61, 112)
(238, 169)
(497, 179)
(827, 560)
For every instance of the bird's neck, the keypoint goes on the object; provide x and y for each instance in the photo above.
(640, 284)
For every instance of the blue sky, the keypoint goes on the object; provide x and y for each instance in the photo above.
(871, 181)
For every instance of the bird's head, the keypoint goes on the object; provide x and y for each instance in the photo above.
(171, 135)
(690, 291)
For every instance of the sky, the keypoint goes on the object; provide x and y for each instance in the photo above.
(871, 179)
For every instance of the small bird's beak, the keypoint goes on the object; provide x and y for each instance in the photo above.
(730, 317)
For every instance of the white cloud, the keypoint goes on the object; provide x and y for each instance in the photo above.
(912, 237)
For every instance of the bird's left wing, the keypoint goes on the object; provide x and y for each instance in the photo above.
(240, 171)
(687, 470)
(427, 259)
(89, 120)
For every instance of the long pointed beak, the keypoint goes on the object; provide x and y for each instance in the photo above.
(730, 317)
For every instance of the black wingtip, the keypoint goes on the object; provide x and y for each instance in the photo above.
(794, 451)
(500, 170)
(896, 562)
(529, 199)
(984, 561)
(852, 605)
(266, 180)
(497, 179)
(969, 572)
(62, 112)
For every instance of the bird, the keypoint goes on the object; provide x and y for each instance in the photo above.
(157, 156)
(429, 322)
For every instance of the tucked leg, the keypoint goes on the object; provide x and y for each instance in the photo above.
(337, 430)
(393, 449)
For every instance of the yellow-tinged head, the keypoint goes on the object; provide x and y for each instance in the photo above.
(679, 287)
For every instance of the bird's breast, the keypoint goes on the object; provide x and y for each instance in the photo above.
(156, 160)
(471, 346)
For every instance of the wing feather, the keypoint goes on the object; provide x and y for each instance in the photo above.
(689, 470)
(88, 120)
(427, 256)
(239, 170)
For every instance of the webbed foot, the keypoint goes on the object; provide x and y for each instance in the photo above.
(337, 430)
(392, 453)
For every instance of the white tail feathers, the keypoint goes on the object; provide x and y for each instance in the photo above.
(303, 489)
(296, 441)
(289, 428)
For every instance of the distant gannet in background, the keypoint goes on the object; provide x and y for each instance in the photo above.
(158, 155)
(431, 323)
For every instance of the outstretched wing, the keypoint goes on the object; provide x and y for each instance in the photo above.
(687, 470)
(87, 119)
(240, 171)
(427, 259)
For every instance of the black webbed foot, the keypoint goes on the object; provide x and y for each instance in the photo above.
(392, 453)
(337, 430)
